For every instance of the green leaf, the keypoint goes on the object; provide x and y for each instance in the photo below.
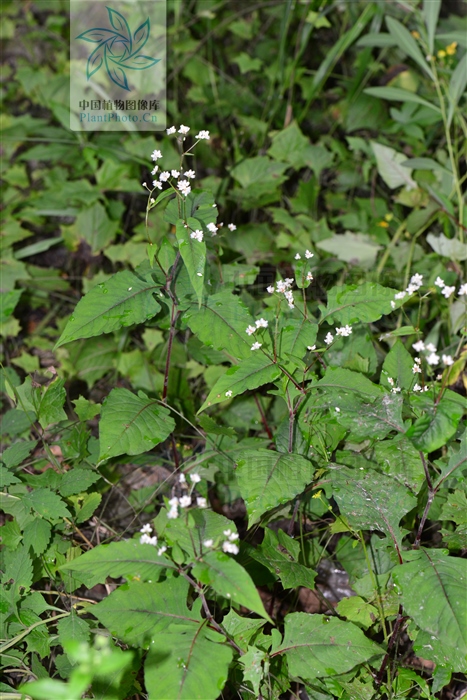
(317, 646)
(288, 145)
(132, 424)
(358, 248)
(136, 610)
(457, 86)
(406, 42)
(341, 378)
(121, 301)
(437, 426)
(295, 336)
(279, 553)
(187, 663)
(193, 254)
(77, 480)
(259, 174)
(94, 225)
(432, 586)
(129, 559)
(447, 247)
(230, 580)
(73, 628)
(190, 533)
(17, 573)
(370, 500)
(389, 163)
(8, 302)
(36, 534)
(456, 460)
(398, 366)
(221, 322)
(431, 10)
(17, 453)
(268, 479)
(399, 95)
(250, 374)
(47, 504)
(50, 409)
(399, 459)
(350, 303)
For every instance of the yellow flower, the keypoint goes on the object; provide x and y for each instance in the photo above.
(451, 49)
(441, 53)
(383, 224)
(415, 34)
(317, 494)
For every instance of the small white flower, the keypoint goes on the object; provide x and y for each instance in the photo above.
(171, 130)
(197, 235)
(256, 346)
(161, 551)
(233, 536)
(416, 280)
(185, 501)
(146, 529)
(172, 513)
(155, 155)
(230, 548)
(393, 304)
(344, 330)
(447, 360)
(311, 347)
(261, 323)
(182, 479)
(400, 295)
(146, 539)
(190, 174)
(430, 347)
(250, 330)
(213, 228)
(228, 532)
(337, 409)
(164, 176)
(298, 256)
(152, 200)
(203, 134)
(183, 129)
(391, 381)
(308, 254)
(462, 290)
(195, 478)
(157, 184)
(417, 387)
(208, 543)
(174, 173)
(416, 369)
(417, 360)
(433, 359)
(329, 338)
(173, 502)
(231, 227)
(447, 291)
(395, 390)
(228, 393)
(419, 346)
(154, 171)
(184, 187)
(201, 502)
(309, 276)
(439, 282)
(270, 289)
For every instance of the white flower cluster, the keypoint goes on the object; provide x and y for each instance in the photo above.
(447, 291)
(432, 358)
(147, 539)
(260, 323)
(284, 287)
(197, 235)
(229, 545)
(414, 285)
(186, 501)
(343, 331)
(394, 389)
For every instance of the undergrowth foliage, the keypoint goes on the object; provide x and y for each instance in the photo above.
(290, 422)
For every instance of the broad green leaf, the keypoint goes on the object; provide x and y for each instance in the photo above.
(370, 500)
(8, 302)
(230, 580)
(389, 163)
(447, 247)
(17, 573)
(317, 646)
(351, 303)
(73, 628)
(379, 39)
(132, 424)
(279, 553)
(77, 480)
(268, 479)
(252, 665)
(358, 611)
(47, 504)
(457, 86)
(398, 366)
(399, 459)
(407, 43)
(252, 373)
(259, 174)
(187, 663)
(295, 336)
(432, 586)
(356, 247)
(17, 453)
(221, 323)
(125, 299)
(431, 10)
(437, 426)
(345, 379)
(425, 164)
(36, 534)
(190, 532)
(94, 225)
(241, 629)
(127, 558)
(288, 145)
(193, 254)
(50, 409)
(456, 460)
(136, 610)
(399, 95)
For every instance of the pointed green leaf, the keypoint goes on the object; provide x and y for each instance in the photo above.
(438, 425)
(252, 373)
(399, 95)
(431, 10)
(132, 424)
(365, 302)
(193, 254)
(456, 460)
(398, 366)
(267, 479)
(390, 168)
(50, 409)
(457, 86)
(407, 43)
(370, 500)
(187, 664)
(121, 301)
(317, 646)
(279, 553)
(230, 580)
